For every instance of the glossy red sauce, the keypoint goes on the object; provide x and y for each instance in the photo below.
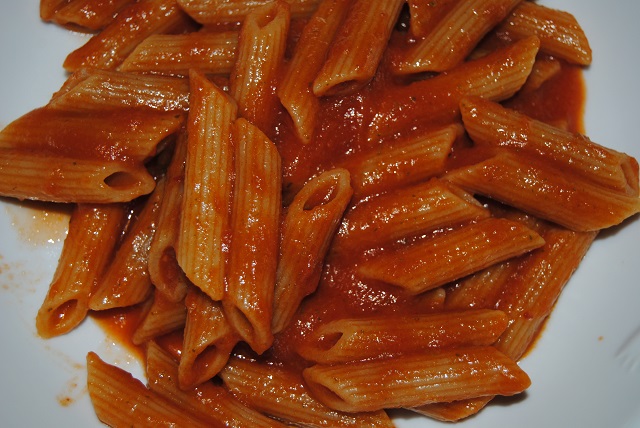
(120, 324)
(341, 133)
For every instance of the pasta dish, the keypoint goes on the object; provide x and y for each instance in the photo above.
(315, 212)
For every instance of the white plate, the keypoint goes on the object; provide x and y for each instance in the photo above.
(585, 368)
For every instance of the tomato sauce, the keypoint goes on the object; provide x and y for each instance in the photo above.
(120, 324)
(341, 133)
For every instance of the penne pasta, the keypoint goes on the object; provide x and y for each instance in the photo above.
(540, 189)
(175, 54)
(425, 15)
(490, 124)
(454, 37)
(93, 89)
(559, 33)
(544, 69)
(88, 14)
(346, 340)
(453, 411)
(120, 400)
(126, 281)
(402, 163)
(261, 50)
(307, 230)
(140, 19)
(482, 289)
(209, 402)
(318, 210)
(164, 271)
(496, 76)
(127, 135)
(206, 201)
(208, 340)
(80, 156)
(161, 317)
(295, 91)
(90, 243)
(288, 399)
(467, 249)
(535, 287)
(30, 175)
(255, 221)
(357, 48)
(527, 290)
(412, 380)
(232, 11)
(404, 213)
(48, 8)
(432, 300)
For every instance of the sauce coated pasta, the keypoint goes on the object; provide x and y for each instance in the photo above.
(310, 211)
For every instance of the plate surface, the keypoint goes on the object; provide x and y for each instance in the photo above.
(585, 368)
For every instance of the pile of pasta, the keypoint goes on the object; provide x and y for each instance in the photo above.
(320, 209)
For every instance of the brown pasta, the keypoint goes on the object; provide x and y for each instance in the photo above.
(94, 232)
(316, 210)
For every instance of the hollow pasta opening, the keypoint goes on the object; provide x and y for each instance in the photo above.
(121, 180)
(321, 196)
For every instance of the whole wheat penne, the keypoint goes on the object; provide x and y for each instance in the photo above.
(406, 212)
(295, 89)
(358, 206)
(396, 164)
(175, 54)
(206, 201)
(140, 19)
(231, 11)
(120, 400)
(532, 285)
(164, 271)
(354, 339)
(261, 50)
(27, 174)
(424, 15)
(559, 32)
(209, 402)
(208, 340)
(289, 399)
(455, 35)
(535, 287)
(48, 8)
(163, 316)
(124, 134)
(543, 70)
(442, 259)
(454, 410)
(255, 229)
(417, 379)
(308, 228)
(490, 124)
(482, 289)
(95, 89)
(89, 14)
(433, 299)
(73, 79)
(126, 281)
(496, 76)
(88, 247)
(541, 190)
(357, 48)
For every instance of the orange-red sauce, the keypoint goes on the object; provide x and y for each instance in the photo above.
(340, 133)
(120, 324)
